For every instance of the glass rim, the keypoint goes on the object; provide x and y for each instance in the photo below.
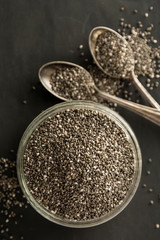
(130, 137)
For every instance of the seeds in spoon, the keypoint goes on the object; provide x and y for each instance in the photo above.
(114, 55)
(71, 82)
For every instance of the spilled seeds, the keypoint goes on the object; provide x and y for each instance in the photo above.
(10, 197)
(103, 82)
(106, 84)
(145, 49)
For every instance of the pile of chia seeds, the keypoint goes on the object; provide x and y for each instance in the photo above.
(106, 84)
(79, 164)
(71, 82)
(103, 82)
(11, 200)
(114, 55)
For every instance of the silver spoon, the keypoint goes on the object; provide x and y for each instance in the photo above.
(45, 73)
(93, 36)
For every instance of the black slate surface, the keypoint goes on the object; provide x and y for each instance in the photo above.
(35, 32)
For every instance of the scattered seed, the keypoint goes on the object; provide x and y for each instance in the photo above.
(150, 190)
(154, 41)
(80, 46)
(82, 54)
(149, 160)
(33, 88)
(135, 11)
(24, 102)
(86, 59)
(151, 202)
(150, 8)
(148, 172)
(122, 9)
(144, 185)
(146, 15)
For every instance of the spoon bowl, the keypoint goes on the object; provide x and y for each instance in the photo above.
(46, 72)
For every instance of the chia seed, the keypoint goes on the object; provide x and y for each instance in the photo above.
(80, 46)
(151, 202)
(122, 9)
(150, 190)
(82, 54)
(24, 102)
(135, 11)
(151, 8)
(78, 164)
(149, 160)
(148, 172)
(146, 15)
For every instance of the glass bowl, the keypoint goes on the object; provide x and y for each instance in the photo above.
(130, 137)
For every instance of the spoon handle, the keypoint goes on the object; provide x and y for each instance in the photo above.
(144, 92)
(149, 113)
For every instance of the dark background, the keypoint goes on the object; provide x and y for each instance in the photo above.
(35, 32)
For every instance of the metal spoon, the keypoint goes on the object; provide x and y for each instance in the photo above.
(45, 73)
(93, 36)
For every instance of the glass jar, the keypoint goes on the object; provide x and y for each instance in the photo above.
(130, 137)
